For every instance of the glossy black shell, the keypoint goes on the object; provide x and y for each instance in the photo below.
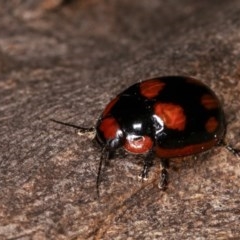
(180, 115)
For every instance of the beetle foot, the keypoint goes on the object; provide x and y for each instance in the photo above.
(163, 183)
(231, 149)
(143, 176)
(148, 162)
(234, 151)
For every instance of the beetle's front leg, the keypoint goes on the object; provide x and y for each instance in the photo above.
(148, 162)
(163, 183)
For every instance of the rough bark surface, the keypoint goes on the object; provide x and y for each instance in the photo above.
(65, 60)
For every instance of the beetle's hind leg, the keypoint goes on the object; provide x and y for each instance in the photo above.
(231, 149)
(163, 183)
(148, 162)
(234, 151)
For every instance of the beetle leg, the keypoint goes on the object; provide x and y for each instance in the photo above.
(104, 160)
(148, 162)
(164, 175)
(234, 151)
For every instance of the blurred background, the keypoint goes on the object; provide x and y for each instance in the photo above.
(66, 59)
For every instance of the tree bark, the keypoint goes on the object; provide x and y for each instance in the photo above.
(66, 60)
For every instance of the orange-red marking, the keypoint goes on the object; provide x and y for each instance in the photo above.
(209, 102)
(151, 88)
(211, 125)
(185, 151)
(109, 127)
(140, 145)
(109, 106)
(172, 115)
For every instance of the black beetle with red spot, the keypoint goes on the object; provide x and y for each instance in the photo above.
(166, 117)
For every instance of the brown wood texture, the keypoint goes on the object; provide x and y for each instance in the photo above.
(65, 60)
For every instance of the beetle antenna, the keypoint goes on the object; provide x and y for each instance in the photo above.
(81, 129)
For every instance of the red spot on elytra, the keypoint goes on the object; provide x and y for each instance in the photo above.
(109, 127)
(109, 106)
(209, 102)
(211, 124)
(151, 88)
(172, 115)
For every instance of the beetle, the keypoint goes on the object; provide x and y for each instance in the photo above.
(167, 117)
